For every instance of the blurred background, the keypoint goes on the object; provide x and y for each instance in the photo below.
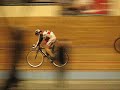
(89, 27)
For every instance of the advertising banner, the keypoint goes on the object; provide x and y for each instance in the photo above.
(88, 7)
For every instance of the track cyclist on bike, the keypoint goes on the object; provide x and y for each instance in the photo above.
(46, 39)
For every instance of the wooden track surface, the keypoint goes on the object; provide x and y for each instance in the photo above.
(90, 39)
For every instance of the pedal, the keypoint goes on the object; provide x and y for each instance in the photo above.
(52, 59)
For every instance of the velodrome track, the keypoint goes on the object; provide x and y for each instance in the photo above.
(91, 47)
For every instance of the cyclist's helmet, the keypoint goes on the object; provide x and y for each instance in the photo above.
(37, 32)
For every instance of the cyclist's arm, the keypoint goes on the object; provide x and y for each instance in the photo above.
(40, 38)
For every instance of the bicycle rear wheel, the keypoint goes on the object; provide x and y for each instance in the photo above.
(35, 58)
(58, 63)
(117, 45)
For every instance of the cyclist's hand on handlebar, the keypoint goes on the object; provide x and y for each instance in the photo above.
(33, 46)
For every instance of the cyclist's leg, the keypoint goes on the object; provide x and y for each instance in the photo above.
(46, 45)
(49, 51)
(50, 44)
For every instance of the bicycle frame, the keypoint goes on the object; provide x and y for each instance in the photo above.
(44, 54)
(41, 50)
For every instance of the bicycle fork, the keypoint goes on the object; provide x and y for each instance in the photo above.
(36, 54)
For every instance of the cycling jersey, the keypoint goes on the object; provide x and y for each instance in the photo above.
(48, 36)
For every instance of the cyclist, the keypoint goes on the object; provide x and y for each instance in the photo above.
(46, 39)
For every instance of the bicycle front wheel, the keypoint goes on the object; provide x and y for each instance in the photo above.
(35, 58)
(117, 45)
